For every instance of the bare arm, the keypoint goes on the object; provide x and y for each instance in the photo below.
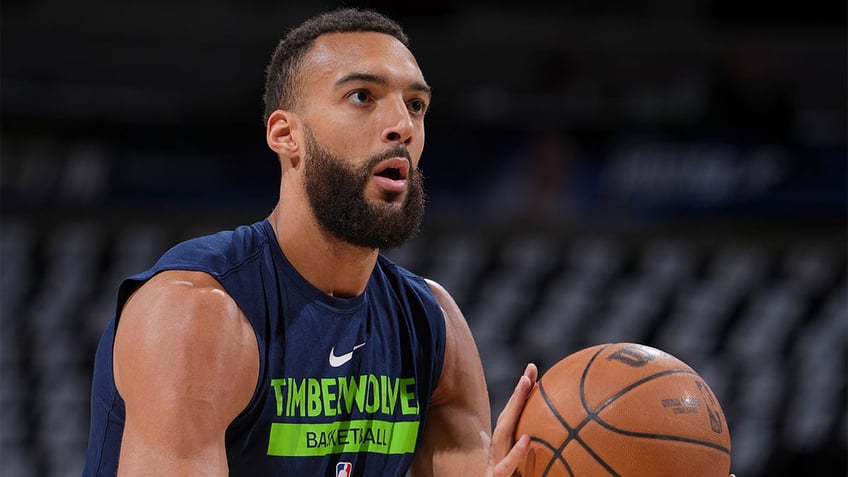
(458, 438)
(186, 363)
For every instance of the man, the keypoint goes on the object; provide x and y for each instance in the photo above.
(291, 346)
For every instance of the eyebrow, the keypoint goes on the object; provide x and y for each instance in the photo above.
(382, 81)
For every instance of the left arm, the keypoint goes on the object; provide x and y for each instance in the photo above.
(458, 437)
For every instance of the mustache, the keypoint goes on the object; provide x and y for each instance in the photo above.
(397, 151)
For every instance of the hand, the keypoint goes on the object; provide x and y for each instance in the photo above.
(504, 455)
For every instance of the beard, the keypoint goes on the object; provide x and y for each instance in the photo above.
(337, 195)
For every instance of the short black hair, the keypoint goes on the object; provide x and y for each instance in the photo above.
(281, 72)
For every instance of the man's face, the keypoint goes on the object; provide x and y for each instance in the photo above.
(363, 107)
(336, 191)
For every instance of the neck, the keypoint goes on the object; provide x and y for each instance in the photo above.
(329, 264)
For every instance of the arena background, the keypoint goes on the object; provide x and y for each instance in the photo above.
(666, 172)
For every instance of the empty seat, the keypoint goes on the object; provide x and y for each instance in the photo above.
(698, 313)
(633, 304)
(457, 262)
(765, 326)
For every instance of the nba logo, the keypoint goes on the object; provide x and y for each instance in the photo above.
(343, 469)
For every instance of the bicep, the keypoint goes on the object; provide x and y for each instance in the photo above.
(185, 363)
(458, 429)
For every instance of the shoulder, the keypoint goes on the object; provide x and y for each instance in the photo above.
(183, 302)
(453, 315)
(185, 363)
(440, 292)
(422, 285)
(218, 252)
(215, 255)
(184, 290)
(181, 329)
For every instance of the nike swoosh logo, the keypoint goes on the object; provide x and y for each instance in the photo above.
(336, 361)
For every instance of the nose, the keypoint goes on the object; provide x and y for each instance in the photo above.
(401, 128)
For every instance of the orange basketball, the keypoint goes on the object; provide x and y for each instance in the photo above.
(626, 410)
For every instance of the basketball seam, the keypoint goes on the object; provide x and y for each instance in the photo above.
(590, 416)
(664, 437)
(632, 386)
(558, 451)
(557, 456)
(594, 414)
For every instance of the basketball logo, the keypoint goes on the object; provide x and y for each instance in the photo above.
(633, 356)
(710, 403)
(343, 469)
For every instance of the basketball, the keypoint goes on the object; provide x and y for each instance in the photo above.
(623, 409)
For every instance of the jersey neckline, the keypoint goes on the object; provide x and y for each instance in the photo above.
(309, 291)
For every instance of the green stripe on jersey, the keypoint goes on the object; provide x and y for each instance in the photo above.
(319, 439)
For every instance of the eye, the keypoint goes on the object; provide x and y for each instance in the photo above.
(417, 106)
(359, 96)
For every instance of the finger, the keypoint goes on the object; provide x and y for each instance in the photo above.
(516, 456)
(505, 426)
(509, 416)
(532, 372)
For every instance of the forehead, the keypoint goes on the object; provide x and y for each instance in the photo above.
(335, 55)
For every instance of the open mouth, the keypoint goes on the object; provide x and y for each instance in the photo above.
(391, 174)
(395, 169)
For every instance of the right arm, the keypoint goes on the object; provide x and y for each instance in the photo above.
(186, 363)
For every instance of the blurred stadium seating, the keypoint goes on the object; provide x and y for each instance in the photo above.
(672, 173)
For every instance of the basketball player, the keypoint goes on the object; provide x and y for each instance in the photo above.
(292, 346)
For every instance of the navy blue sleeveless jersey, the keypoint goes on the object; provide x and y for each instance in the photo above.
(344, 384)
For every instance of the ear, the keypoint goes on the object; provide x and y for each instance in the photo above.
(280, 135)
